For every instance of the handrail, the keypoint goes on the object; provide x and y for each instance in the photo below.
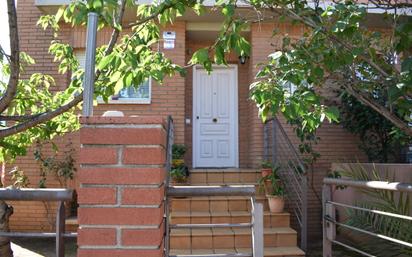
(256, 223)
(288, 142)
(329, 212)
(36, 194)
(198, 191)
(51, 194)
(169, 147)
(292, 172)
(382, 185)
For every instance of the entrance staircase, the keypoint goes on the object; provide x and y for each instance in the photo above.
(279, 239)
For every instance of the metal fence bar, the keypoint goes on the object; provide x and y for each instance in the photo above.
(60, 226)
(304, 221)
(381, 236)
(35, 234)
(216, 255)
(381, 185)
(330, 222)
(169, 147)
(257, 229)
(34, 194)
(284, 154)
(218, 225)
(326, 225)
(55, 194)
(197, 191)
(353, 248)
(389, 214)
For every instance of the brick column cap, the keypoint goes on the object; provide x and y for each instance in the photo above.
(135, 120)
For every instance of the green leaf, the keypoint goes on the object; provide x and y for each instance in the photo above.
(332, 113)
(200, 56)
(105, 61)
(407, 65)
(59, 14)
(228, 10)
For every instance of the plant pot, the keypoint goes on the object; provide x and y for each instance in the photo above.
(266, 171)
(179, 181)
(276, 203)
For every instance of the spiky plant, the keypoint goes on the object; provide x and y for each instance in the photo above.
(382, 200)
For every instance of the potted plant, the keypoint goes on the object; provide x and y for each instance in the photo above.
(179, 171)
(178, 174)
(274, 189)
(266, 168)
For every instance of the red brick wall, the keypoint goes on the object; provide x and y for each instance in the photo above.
(121, 187)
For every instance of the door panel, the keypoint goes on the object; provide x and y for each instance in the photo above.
(215, 140)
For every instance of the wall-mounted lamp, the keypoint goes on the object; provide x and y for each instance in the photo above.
(243, 59)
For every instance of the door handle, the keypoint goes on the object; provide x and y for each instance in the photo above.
(214, 120)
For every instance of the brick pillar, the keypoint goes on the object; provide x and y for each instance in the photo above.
(121, 187)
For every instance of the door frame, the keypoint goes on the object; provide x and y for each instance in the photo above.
(235, 118)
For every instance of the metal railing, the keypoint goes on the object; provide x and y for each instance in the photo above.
(279, 150)
(329, 213)
(256, 224)
(56, 195)
(169, 147)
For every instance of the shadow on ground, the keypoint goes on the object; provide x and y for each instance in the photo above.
(41, 247)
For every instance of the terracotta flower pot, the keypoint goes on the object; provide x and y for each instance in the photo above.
(276, 203)
(266, 171)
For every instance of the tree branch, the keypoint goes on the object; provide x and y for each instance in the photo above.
(40, 119)
(18, 117)
(367, 100)
(14, 58)
(148, 18)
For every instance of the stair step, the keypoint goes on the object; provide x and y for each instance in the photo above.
(268, 251)
(224, 175)
(233, 203)
(205, 217)
(228, 238)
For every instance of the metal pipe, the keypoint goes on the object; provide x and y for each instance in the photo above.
(30, 194)
(218, 225)
(28, 235)
(389, 214)
(189, 191)
(382, 185)
(89, 73)
(381, 236)
(353, 248)
(216, 255)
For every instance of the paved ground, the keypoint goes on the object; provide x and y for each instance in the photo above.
(41, 248)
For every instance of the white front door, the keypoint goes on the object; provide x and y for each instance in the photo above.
(215, 117)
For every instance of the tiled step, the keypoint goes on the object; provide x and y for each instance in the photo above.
(271, 220)
(269, 251)
(216, 203)
(224, 176)
(228, 238)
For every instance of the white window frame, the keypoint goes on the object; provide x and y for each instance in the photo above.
(120, 100)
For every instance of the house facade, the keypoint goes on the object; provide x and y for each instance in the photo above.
(213, 115)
